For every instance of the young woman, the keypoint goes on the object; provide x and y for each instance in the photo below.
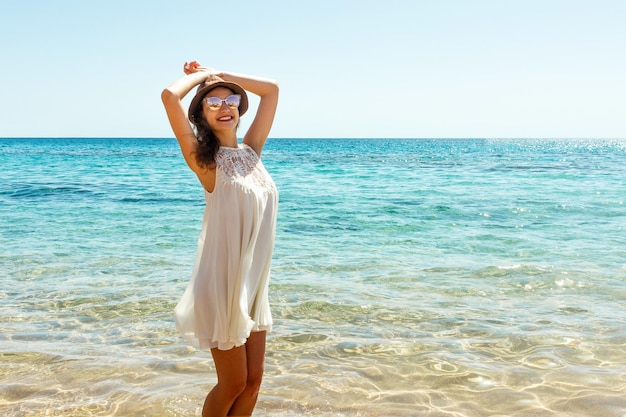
(225, 306)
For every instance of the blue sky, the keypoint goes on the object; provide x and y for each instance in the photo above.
(411, 69)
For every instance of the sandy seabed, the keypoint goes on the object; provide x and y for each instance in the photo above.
(316, 376)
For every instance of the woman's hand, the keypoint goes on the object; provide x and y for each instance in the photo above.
(194, 66)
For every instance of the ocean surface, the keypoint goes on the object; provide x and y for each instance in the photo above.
(456, 278)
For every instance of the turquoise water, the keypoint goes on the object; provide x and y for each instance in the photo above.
(410, 278)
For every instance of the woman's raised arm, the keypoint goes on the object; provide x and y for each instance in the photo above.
(267, 90)
(172, 97)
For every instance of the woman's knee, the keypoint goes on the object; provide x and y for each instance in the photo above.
(254, 381)
(233, 387)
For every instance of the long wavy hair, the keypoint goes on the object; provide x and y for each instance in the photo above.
(208, 144)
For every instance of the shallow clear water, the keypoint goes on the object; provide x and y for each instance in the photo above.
(410, 278)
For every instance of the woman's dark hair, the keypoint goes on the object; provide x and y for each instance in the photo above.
(208, 144)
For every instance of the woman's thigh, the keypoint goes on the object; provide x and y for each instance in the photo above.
(255, 352)
(231, 365)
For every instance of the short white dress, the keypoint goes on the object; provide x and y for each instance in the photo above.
(227, 295)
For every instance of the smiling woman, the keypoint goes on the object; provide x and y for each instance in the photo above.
(225, 307)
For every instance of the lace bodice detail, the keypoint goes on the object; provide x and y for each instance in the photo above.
(242, 166)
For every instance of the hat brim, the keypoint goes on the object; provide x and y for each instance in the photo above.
(203, 90)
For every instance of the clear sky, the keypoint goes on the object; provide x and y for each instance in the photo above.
(384, 68)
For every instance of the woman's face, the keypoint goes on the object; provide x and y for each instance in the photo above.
(224, 118)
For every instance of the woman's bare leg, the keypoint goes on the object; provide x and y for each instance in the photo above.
(232, 375)
(255, 354)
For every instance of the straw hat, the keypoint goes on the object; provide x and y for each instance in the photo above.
(212, 82)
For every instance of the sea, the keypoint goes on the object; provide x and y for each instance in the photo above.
(410, 277)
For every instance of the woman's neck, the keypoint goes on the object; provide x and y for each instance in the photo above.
(229, 141)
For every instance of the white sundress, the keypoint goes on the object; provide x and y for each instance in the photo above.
(227, 295)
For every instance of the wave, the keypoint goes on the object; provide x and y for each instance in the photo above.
(27, 191)
(71, 192)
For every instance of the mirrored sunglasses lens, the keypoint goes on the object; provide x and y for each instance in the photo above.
(233, 101)
(214, 103)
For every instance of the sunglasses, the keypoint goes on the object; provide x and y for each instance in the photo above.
(215, 103)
